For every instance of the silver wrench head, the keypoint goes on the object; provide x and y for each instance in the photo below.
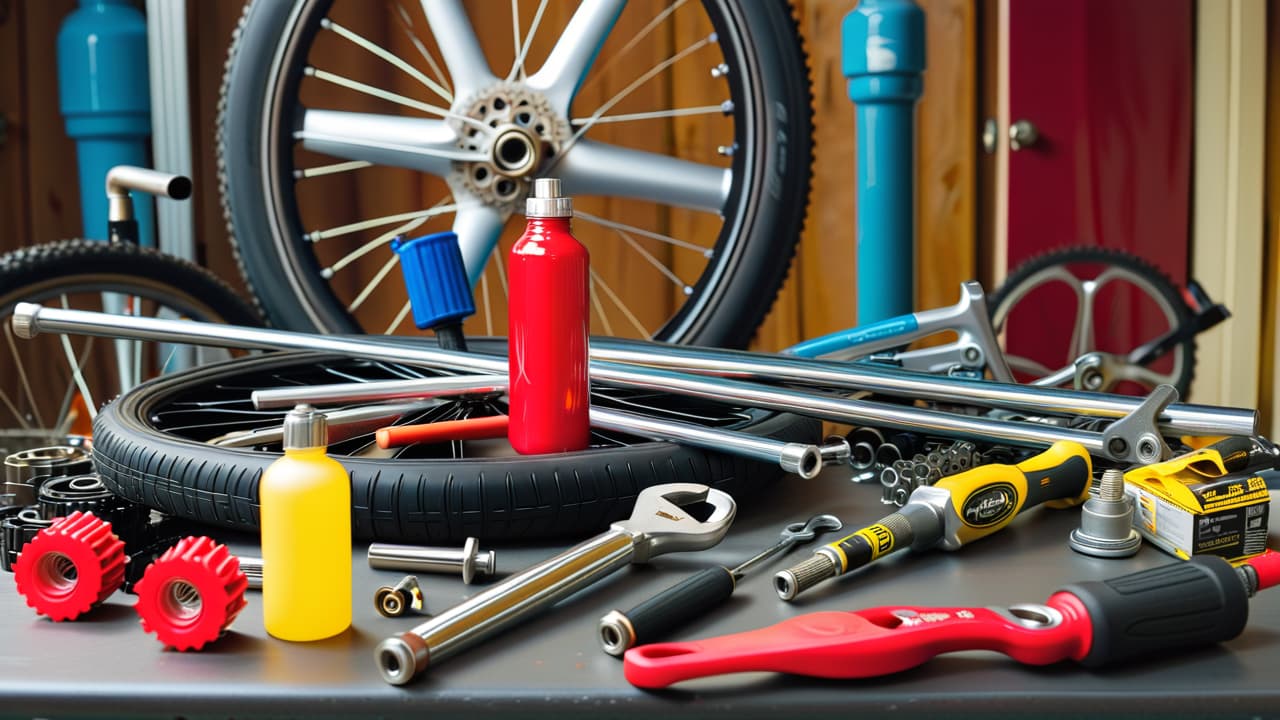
(804, 532)
(660, 524)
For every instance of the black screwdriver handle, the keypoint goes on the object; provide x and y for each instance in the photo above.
(1199, 602)
(696, 595)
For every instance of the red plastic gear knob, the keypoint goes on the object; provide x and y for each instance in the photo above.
(70, 566)
(191, 594)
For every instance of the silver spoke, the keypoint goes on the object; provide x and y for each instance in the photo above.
(668, 272)
(522, 49)
(596, 168)
(515, 27)
(635, 40)
(706, 252)
(566, 67)
(317, 235)
(387, 95)
(608, 104)
(374, 283)
(78, 376)
(22, 375)
(429, 146)
(721, 109)
(488, 306)
(626, 311)
(458, 45)
(381, 52)
(477, 227)
(595, 303)
(399, 319)
(383, 239)
(4, 397)
(407, 25)
(330, 169)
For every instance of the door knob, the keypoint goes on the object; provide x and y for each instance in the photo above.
(1023, 134)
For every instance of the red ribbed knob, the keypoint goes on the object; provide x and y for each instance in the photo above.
(70, 566)
(191, 594)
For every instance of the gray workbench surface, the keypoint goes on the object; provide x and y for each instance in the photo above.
(553, 665)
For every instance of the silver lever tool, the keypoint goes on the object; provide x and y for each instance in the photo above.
(659, 524)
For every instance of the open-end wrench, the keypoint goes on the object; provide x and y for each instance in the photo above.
(659, 524)
(697, 594)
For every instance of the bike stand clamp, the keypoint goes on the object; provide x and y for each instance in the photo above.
(1135, 438)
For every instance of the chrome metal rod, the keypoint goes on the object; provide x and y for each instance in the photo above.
(30, 319)
(1177, 419)
(340, 393)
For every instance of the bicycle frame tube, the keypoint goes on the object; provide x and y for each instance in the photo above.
(31, 319)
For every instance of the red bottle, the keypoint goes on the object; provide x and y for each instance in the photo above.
(547, 329)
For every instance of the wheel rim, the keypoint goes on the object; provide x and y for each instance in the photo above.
(660, 259)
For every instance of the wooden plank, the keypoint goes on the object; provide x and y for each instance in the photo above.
(52, 175)
(15, 212)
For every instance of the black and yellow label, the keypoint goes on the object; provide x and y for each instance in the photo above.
(879, 538)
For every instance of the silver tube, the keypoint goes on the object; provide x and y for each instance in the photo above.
(1177, 419)
(799, 458)
(252, 569)
(340, 393)
(30, 319)
(123, 178)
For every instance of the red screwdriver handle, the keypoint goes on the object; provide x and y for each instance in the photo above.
(868, 643)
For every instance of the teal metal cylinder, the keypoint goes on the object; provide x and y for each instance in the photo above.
(883, 59)
(104, 95)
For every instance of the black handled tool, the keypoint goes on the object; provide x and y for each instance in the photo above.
(697, 594)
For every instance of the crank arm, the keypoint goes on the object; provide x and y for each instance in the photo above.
(869, 643)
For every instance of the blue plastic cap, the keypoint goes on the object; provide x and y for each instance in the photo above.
(435, 278)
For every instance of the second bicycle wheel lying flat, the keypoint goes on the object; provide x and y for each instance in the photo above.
(153, 446)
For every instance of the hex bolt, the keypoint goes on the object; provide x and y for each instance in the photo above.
(1106, 522)
(470, 561)
(395, 601)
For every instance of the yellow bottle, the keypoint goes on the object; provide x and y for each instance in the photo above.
(305, 517)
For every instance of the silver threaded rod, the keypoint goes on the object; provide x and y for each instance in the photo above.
(798, 578)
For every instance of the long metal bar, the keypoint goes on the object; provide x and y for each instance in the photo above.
(30, 319)
(1177, 419)
(340, 393)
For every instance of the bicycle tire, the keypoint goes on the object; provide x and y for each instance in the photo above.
(38, 272)
(410, 501)
(1158, 280)
(763, 216)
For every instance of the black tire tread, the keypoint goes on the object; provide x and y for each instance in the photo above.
(416, 501)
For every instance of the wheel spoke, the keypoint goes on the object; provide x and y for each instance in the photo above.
(381, 52)
(662, 268)
(378, 242)
(399, 319)
(635, 40)
(522, 48)
(22, 375)
(1142, 375)
(706, 252)
(599, 308)
(726, 107)
(317, 235)
(596, 168)
(567, 65)
(597, 281)
(374, 283)
(458, 45)
(332, 169)
(407, 26)
(477, 227)
(428, 146)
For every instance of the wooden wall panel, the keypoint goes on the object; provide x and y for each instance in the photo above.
(15, 221)
(51, 161)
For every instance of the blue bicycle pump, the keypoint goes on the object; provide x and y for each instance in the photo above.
(105, 100)
(883, 58)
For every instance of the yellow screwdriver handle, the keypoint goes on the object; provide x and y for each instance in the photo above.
(987, 498)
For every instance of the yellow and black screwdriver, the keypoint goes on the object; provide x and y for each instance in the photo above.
(955, 511)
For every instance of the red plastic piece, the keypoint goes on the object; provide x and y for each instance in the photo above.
(866, 643)
(1267, 566)
(70, 567)
(191, 594)
(480, 428)
(547, 324)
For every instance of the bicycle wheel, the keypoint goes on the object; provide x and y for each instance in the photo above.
(339, 130)
(1116, 296)
(54, 383)
(155, 445)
